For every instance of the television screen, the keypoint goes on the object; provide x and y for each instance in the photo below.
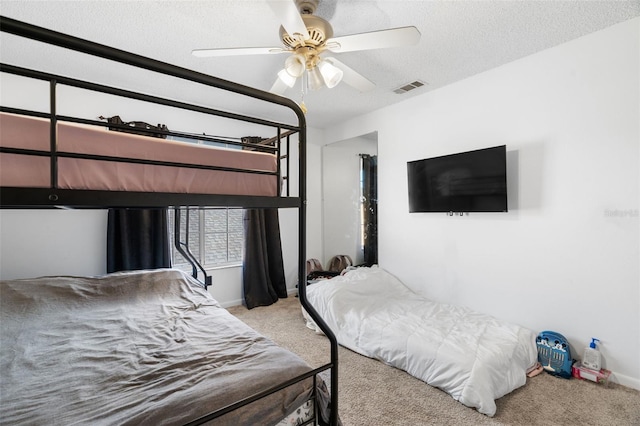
(474, 181)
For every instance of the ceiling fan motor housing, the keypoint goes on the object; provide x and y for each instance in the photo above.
(319, 31)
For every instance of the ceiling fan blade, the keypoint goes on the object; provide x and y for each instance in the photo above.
(287, 13)
(395, 37)
(352, 77)
(279, 87)
(237, 51)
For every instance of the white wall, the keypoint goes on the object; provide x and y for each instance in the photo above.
(314, 236)
(53, 242)
(566, 256)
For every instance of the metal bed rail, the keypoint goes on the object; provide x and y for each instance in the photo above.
(54, 154)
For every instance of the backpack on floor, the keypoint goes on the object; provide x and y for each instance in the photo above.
(315, 271)
(554, 354)
(313, 265)
(339, 263)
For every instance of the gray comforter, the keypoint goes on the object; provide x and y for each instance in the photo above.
(133, 348)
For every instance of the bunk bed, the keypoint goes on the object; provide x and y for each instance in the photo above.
(52, 160)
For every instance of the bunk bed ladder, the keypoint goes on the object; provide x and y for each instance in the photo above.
(183, 248)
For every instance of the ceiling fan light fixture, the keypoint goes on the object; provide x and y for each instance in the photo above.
(316, 81)
(286, 78)
(331, 74)
(295, 65)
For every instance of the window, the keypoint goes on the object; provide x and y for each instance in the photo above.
(216, 237)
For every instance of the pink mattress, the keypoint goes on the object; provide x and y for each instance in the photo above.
(32, 171)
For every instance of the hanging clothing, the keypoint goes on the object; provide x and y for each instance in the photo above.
(137, 239)
(263, 267)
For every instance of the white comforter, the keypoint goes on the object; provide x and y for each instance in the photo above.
(474, 357)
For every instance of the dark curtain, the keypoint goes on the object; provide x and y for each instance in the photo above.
(263, 268)
(137, 239)
(370, 208)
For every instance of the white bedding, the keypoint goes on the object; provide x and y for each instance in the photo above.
(474, 357)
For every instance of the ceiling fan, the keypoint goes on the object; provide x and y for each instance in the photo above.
(306, 37)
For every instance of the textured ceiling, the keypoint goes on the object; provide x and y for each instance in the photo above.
(459, 39)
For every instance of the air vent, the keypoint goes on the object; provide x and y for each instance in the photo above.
(409, 86)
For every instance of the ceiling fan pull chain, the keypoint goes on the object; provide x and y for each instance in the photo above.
(303, 90)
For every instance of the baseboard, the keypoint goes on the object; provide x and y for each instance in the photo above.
(628, 381)
(291, 292)
(231, 303)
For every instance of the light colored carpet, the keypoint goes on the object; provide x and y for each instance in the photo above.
(372, 393)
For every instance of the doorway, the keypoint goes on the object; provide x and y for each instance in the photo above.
(349, 214)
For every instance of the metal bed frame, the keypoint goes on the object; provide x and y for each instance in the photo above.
(54, 197)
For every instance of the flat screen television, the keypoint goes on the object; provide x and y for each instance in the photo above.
(473, 181)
